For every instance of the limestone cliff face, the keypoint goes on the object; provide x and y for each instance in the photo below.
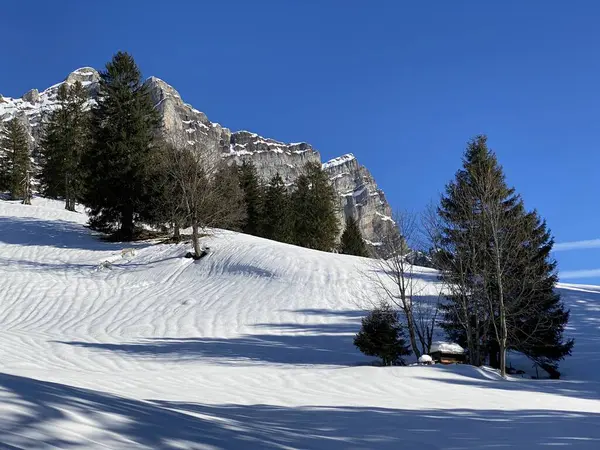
(271, 157)
(360, 197)
(358, 194)
(33, 106)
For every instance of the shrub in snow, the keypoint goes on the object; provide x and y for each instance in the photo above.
(105, 265)
(382, 335)
(425, 359)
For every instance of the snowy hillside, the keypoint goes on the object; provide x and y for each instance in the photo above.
(250, 347)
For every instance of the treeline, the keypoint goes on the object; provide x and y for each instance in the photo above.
(113, 158)
(497, 272)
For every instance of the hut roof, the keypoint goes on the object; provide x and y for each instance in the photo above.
(447, 347)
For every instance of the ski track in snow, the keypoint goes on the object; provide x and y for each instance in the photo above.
(250, 347)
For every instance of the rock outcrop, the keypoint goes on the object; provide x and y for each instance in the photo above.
(358, 193)
(271, 157)
(360, 197)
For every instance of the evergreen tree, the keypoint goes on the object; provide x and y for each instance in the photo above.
(252, 190)
(276, 211)
(382, 335)
(118, 172)
(313, 204)
(352, 242)
(538, 331)
(495, 258)
(16, 165)
(66, 137)
(227, 208)
(301, 212)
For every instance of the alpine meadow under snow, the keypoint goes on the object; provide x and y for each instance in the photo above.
(110, 345)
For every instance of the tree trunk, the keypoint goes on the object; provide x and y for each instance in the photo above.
(69, 200)
(411, 332)
(196, 240)
(127, 223)
(27, 190)
(503, 328)
(176, 232)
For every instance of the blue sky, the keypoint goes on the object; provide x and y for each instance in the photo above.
(402, 85)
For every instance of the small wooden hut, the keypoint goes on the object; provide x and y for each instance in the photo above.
(447, 353)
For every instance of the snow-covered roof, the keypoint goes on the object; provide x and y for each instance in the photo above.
(447, 347)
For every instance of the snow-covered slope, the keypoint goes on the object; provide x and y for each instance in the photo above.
(250, 347)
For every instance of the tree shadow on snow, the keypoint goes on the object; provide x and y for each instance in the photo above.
(42, 414)
(297, 343)
(54, 233)
(477, 378)
(255, 349)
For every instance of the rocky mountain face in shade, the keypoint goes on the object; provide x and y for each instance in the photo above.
(358, 193)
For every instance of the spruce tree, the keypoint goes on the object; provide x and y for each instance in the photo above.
(301, 212)
(277, 220)
(252, 190)
(538, 332)
(66, 137)
(227, 208)
(16, 164)
(118, 172)
(495, 258)
(351, 242)
(313, 204)
(382, 335)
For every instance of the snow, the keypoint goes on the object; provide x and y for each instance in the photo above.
(338, 161)
(447, 347)
(384, 217)
(425, 359)
(248, 348)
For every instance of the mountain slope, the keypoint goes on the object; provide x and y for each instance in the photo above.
(182, 121)
(250, 347)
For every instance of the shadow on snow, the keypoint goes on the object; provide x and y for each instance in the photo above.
(38, 413)
(55, 233)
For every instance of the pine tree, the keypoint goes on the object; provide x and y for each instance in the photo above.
(66, 137)
(313, 204)
(252, 190)
(382, 335)
(494, 256)
(16, 165)
(352, 242)
(276, 211)
(118, 172)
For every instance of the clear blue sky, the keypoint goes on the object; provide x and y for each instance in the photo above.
(402, 85)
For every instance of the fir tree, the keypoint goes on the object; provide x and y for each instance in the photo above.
(382, 335)
(313, 204)
(351, 242)
(495, 258)
(16, 165)
(276, 211)
(118, 172)
(252, 190)
(66, 137)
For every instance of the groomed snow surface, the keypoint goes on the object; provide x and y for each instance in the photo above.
(248, 348)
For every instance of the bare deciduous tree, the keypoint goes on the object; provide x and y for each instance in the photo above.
(394, 277)
(206, 192)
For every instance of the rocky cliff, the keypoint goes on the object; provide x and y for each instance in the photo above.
(358, 193)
